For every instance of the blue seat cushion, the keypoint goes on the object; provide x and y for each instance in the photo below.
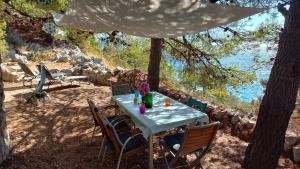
(134, 143)
(171, 140)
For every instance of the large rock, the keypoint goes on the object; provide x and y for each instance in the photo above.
(12, 53)
(296, 153)
(99, 76)
(58, 57)
(235, 119)
(67, 71)
(74, 56)
(103, 78)
(77, 71)
(17, 57)
(11, 73)
(219, 116)
(291, 139)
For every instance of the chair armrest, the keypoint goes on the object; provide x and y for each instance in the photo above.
(129, 139)
(120, 121)
(120, 117)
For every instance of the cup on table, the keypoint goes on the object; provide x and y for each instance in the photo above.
(167, 101)
(136, 93)
(142, 108)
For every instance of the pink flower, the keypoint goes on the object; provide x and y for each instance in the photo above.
(144, 88)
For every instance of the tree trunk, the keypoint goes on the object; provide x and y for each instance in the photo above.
(154, 63)
(279, 100)
(4, 136)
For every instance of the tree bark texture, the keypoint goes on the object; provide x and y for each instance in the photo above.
(4, 136)
(279, 100)
(154, 63)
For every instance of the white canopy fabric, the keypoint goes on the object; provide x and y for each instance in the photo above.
(150, 18)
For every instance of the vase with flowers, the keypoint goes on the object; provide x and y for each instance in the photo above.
(147, 96)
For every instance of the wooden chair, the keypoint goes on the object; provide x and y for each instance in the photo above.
(197, 104)
(127, 144)
(194, 140)
(94, 110)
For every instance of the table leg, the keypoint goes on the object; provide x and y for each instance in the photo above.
(151, 152)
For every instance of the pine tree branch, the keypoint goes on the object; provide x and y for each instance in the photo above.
(194, 54)
(281, 8)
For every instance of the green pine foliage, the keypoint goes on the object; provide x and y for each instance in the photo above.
(36, 9)
(134, 56)
(3, 45)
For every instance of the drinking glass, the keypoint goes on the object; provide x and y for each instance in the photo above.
(136, 93)
(167, 101)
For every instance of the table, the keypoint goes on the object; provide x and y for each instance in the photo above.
(159, 118)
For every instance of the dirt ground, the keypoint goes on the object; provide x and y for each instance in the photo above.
(57, 133)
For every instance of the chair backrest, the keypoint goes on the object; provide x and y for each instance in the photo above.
(47, 73)
(98, 118)
(26, 69)
(94, 110)
(106, 128)
(196, 104)
(196, 138)
(120, 89)
(109, 131)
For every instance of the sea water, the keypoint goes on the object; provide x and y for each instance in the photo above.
(246, 62)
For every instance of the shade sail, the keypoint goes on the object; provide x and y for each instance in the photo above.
(150, 18)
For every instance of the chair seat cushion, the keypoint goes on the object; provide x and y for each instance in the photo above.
(174, 141)
(134, 143)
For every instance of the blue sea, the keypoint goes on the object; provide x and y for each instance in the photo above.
(246, 61)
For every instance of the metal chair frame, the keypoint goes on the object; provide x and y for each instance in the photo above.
(94, 109)
(119, 147)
